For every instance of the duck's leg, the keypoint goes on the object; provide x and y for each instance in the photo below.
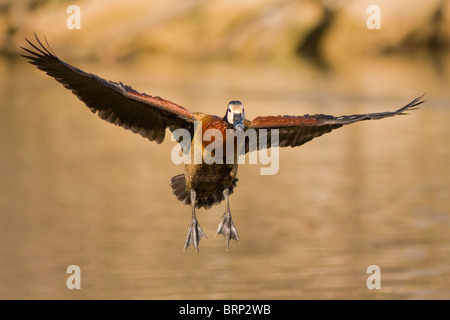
(195, 232)
(226, 226)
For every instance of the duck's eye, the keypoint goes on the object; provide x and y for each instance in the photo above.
(229, 109)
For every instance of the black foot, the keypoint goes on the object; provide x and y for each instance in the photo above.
(227, 229)
(195, 233)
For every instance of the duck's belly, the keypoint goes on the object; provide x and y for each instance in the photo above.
(208, 179)
(209, 182)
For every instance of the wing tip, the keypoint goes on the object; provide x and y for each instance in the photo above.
(413, 105)
(38, 51)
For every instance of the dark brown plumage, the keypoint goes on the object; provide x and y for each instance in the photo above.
(201, 185)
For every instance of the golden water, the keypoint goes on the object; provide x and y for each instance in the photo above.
(75, 190)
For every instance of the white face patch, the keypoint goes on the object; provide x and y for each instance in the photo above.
(234, 108)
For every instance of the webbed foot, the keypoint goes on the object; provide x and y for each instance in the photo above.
(227, 229)
(195, 234)
(226, 225)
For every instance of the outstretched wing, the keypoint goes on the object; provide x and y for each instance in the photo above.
(295, 131)
(113, 101)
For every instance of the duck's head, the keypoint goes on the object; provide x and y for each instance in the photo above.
(235, 114)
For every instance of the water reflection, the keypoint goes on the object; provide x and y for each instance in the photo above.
(76, 190)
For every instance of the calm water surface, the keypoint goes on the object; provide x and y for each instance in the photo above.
(76, 190)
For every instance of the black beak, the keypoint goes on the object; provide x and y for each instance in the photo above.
(238, 122)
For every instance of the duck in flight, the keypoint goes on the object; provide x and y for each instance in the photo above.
(202, 185)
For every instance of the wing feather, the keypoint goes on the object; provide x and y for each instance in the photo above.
(114, 102)
(297, 130)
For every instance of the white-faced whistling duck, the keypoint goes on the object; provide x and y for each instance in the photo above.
(201, 185)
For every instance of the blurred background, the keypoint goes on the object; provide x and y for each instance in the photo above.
(75, 190)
